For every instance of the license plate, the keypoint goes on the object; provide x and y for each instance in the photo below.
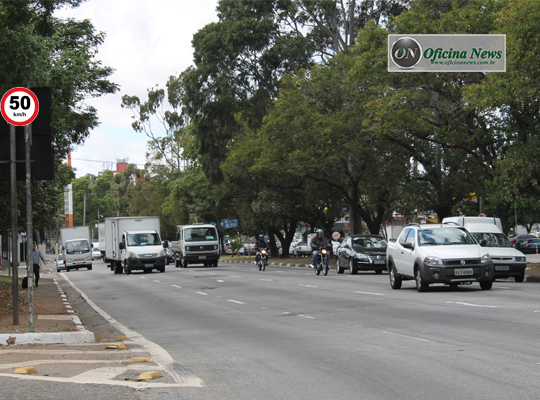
(463, 271)
(148, 265)
(79, 263)
(502, 268)
(379, 262)
(202, 257)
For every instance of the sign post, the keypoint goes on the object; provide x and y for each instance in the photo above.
(19, 107)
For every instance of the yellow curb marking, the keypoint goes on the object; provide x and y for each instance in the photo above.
(120, 338)
(149, 375)
(140, 360)
(25, 370)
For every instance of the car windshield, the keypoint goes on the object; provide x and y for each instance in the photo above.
(369, 242)
(493, 239)
(444, 236)
(77, 247)
(200, 234)
(143, 239)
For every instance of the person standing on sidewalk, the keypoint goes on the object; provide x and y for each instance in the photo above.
(37, 255)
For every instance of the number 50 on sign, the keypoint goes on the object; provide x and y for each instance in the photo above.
(19, 106)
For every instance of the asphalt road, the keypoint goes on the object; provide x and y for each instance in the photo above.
(288, 334)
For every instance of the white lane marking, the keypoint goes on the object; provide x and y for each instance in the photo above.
(374, 294)
(308, 286)
(176, 286)
(286, 312)
(211, 273)
(237, 302)
(358, 325)
(502, 287)
(142, 277)
(470, 304)
(537, 311)
(157, 281)
(408, 337)
(267, 280)
(235, 276)
(204, 294)
(306, 316)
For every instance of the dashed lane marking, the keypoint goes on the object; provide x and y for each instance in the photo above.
(406, 336)
(470, 304)
(204, 294)
(235, 301)
(176, 286)
(374, 294)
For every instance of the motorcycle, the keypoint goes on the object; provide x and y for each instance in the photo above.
(322, 263)
(263, 259)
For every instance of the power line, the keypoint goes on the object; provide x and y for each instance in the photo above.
(103, 162)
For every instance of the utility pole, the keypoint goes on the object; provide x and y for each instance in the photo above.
(14, 253)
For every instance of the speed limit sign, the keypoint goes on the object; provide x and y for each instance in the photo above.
(20, 106)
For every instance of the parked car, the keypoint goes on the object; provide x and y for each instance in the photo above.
(529, 246)
(515, 240)
(303, 250)
(362, 253)
(60, 263)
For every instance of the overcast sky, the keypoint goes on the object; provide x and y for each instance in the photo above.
(146, 42)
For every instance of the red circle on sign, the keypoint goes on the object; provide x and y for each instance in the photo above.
(482, 215)
(25, 120)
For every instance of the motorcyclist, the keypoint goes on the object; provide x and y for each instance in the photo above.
(260, 245)
(319, 242)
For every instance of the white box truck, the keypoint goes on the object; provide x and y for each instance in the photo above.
(101, 238)
(76, 247)
(196, 244)
(134, 243)
(507, 261)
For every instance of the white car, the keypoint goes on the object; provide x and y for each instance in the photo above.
(60, 263)
(438, 253)
(96, 254)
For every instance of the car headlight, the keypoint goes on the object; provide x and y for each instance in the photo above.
(69, 260)
(433, 261)
(485, 259)
(132, 255)
(187, 248)
(162, 253)
(362, 257)
(521, 259)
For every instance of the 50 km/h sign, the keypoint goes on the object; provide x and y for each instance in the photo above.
(19, 106)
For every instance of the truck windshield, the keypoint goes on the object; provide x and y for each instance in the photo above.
(493, 239)
(200, 234)
(143, 239)
(77, 247)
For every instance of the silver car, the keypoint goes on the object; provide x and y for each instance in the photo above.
(60, 263)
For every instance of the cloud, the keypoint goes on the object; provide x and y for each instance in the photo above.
(146, 43)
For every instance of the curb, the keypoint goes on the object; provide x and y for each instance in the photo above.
(82, 336)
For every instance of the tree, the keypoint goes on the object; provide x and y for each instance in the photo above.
(63, 56)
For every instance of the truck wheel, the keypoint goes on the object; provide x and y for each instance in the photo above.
(214, 264)
(90, 268)
(395, 279)
(184, 264)
(127, 270)
(162, 269)
(519, 278)
(421, 285)
(176, 261)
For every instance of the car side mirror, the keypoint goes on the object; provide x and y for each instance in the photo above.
(165, 244)
(483, 243)
(121, 246)
(408, 246)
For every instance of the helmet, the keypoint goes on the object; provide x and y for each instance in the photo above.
(320, 233)
(261, 237)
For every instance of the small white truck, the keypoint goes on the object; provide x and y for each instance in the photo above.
(508, 262)
(76, 247)
(134, 243)
(196, 244)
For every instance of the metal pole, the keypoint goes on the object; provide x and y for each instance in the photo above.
(14, 252)
(29, 229)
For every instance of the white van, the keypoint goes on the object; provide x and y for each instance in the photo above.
(507, 261)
